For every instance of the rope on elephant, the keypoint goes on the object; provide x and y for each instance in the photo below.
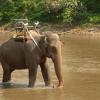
(33, 39)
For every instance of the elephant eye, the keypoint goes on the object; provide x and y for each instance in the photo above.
(54, 49)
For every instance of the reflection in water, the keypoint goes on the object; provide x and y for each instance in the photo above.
(81, 70)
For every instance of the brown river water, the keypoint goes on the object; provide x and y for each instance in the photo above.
(81, 71)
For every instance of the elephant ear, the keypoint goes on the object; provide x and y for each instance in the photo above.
(44, 40)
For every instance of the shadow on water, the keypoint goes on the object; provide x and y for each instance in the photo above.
(12, 85)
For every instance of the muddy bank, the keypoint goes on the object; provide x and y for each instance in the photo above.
(78, 31)
(62, 30)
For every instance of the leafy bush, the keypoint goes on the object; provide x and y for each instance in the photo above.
(66, 11)
(94, 18)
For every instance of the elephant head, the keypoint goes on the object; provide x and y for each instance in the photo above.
(52, 49)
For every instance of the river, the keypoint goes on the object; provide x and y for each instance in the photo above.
(81, 71)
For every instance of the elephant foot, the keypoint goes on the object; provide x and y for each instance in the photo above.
(50, 85)
(6, 84)
(6, 81)
(61, 84)
(47, 84)
(30, 86)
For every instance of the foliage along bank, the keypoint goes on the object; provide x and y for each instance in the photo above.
(55, 11)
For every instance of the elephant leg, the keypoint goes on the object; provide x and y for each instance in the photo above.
(7, 75)
(6, 71)
(11, 70)
(45, 73)
(32, 76)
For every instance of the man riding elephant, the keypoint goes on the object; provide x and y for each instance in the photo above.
(29, 54)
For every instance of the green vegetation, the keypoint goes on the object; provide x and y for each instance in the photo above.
(54, 11)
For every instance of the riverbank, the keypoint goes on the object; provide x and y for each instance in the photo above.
(83, 30)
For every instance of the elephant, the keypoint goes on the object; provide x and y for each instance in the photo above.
(16, 55)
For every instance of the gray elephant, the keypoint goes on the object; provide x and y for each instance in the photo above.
(22, 55)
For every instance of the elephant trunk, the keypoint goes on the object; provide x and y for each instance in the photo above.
(57, 64)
